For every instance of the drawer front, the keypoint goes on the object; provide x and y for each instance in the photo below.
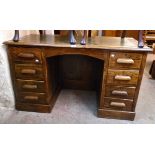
(30, 86)
(120, 92)
(122, 76)
(29, 72)
(36, 98)
(118, 104)
(26, 55)
(125, 60)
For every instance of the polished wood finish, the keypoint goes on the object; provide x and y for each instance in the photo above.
(125, 60)
(28, 97)
(30, 85)
(29, 71)
(41, 67)
(118, 104)
(122, 76)
(26, 55)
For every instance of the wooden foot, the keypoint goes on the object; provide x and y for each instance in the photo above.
(72, 38)
(83, 41)
(16, 36)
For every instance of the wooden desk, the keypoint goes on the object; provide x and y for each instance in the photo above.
(42, 66)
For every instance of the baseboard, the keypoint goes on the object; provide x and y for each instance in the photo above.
(125, 115)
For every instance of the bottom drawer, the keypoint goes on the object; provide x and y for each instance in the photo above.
(118, 104)
(36, 98)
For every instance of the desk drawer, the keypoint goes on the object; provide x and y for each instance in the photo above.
(120, 92)
(26, 55)
(118, 104)
(30, 86)
(122, 76)
(125, 60)
(36, 98)
(29, 72)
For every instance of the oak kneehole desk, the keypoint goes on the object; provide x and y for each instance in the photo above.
(113, 67)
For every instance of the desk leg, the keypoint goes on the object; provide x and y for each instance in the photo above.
(16, 36)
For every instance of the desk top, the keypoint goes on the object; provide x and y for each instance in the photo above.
(113, 43)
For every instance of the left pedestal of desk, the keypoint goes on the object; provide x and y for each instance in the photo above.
(30, 79)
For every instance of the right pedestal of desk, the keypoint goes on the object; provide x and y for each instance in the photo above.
(122, 82)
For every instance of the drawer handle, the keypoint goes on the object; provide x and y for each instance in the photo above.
(30, 86)
(31, 97)
(118, 92)
(122, 77)
(26, 55)
(28, 71)
(125, 61)
(117, 104)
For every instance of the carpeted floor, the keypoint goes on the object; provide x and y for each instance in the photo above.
(76, 106)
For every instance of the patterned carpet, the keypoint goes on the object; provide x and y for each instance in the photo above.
(75, 106)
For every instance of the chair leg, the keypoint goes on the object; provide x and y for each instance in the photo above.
(71, 37)
(140, 39)
(89, 33)
(123, 34)
(57, 32)
(42, 32)
(83, 41)
(16, 36)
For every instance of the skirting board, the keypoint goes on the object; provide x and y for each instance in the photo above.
(126, 115)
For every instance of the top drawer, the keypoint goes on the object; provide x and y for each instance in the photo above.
(125, 60)
(26, 55)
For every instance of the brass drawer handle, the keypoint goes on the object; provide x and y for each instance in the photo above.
(125, 61)
(28, 71)
(118, 92)
(117, 104)
(27, 86)
(31, 97)
(122, 77)
(26, 55)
